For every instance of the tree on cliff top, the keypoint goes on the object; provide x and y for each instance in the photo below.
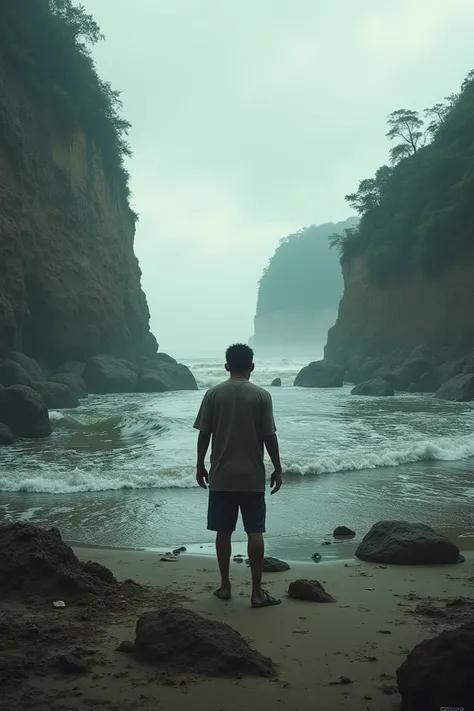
(419, 213)
(48, 43)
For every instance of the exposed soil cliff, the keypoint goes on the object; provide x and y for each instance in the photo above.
(69, 279)
(413, 313)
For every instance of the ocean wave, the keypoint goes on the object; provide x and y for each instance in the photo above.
(449, 449)
(90, 480)
(80, 480)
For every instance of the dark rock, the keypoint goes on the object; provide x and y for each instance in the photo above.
(183, 640)
(157, 377)
(276, 383)
(12, 373)
(30, 366)
(97, 570)
(73, 382)
(107, 374)
(410, 372)
(374, 388)
(326, 543)
(316, 557)
(448, 370)
(367, 369)
(404, 543)
(429, 383)
(273, 565)
(343, 532)
(24, 412)
(74, 367)
(438, 672)
(126, 647)
(6, 436)
(71, 664)
(458, 389)
(56, 396)
(310, 590)
(165, 358)
(468, 364)
(320, 374)
(178, 551)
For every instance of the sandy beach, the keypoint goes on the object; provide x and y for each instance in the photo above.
(341, 655)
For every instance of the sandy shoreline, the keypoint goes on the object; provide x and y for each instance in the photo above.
(363, 636)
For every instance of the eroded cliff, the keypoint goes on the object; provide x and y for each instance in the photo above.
(69, 279)
(431, 314)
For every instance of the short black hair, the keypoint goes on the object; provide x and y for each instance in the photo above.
(239, 358)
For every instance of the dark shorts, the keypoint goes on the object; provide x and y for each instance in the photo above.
(223, 510)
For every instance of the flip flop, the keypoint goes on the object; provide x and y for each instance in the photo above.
(220, 595)
(269, 602)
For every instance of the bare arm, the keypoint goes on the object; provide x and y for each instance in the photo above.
(204, 439)
(271, 445)
(204, 423)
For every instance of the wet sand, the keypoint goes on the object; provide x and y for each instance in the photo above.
(363, 636)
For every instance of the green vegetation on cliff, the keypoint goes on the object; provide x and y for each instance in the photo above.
(303, 275)
(418, 213)
(46, 43)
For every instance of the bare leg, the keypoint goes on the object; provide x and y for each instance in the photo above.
(256, 548)
(223, 550)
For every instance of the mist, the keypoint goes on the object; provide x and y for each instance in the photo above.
(250, 121)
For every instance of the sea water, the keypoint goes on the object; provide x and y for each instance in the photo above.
(119, 470)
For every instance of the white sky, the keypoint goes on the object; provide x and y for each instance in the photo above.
(252, 119)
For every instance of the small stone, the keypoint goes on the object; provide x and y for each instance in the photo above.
(126, 647)
(384, 631)
(169, 558)
(316, 557)
(70, 664)
(343, 532)
(341, 680)
(59, 603)
(326, 543)
(370, 589)
(179, 550)
(310, 590)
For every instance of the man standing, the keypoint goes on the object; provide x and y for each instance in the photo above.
(238, 415)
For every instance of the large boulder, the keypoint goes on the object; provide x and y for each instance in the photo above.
(162, 376)
(24, 412)
(6, 436)
(276, 383)
(12, 373)
(404, 543)
(73, 382)
(374, 388)
(428, 383)
(106, 374)
(320, 374)
(76, 367)
(410, 372)
(57, 396)
(180, 639)
(448, 370)
(438, 672)
(29, 365)
(458, 389)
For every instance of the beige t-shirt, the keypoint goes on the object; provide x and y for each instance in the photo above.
(239, 415)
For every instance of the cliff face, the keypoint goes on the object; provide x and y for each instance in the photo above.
(414, 313)
(69, 279)
(299, 292)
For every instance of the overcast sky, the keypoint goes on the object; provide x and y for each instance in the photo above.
(252, 119)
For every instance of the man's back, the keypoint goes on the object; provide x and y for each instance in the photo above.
(239, 415)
